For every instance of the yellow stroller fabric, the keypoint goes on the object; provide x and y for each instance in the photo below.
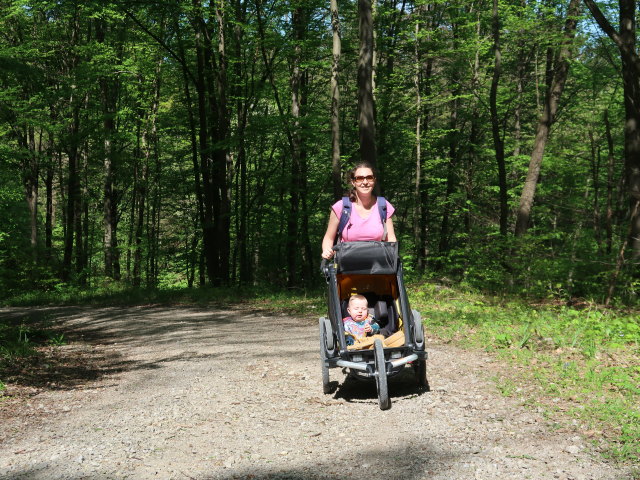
(363, 343)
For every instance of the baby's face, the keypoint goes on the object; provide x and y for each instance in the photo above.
(358, 309)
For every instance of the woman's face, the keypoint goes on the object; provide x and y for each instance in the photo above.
(363, 180)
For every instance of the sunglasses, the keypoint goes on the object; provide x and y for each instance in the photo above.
(362, 178)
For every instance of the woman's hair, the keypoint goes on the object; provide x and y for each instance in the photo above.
(351, 175)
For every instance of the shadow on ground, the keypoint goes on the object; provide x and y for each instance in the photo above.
(101, 340)
(98, 341)
(352, 390)
(408, 461)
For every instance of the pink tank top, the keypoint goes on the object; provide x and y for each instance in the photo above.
(361, 229)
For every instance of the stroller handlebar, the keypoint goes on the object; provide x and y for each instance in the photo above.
(325, 262)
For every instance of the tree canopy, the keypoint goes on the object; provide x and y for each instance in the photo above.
(193, 143)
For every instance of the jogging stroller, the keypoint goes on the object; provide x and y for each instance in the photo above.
(371, 269)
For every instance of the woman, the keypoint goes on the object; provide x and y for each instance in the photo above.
(364, 222)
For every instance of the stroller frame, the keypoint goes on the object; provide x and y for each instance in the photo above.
(374, 270)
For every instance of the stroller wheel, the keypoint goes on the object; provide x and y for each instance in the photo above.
(326, 386)
(418, 330)
(420, 369)
(381, 376)
(328, 335)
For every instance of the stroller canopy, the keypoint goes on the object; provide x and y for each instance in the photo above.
(374, 258)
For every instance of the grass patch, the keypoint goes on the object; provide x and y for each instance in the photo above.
(580, 364)
(290, 302)
(21, 342)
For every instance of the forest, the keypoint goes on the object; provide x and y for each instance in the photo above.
(180, 144)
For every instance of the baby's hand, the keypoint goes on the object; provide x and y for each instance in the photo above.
(367, 328)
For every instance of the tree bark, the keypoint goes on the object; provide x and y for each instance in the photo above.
(417, 216)
(498, 142)
(552, 99)
(595, 160)
(625, 40)
(443, 245)
(610, 183)
(82, 216)
(73, 186)
(299, 26)
(109, 93)
(49, 213)
(366, 103)
(210, 243)
(193, 140)
(30, 174)
(336, 175)
(222, 156)
(244, 96)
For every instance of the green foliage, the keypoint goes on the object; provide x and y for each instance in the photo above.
(60, 88)
(21, 339)
(271, 298)
(15, 252)
(586, 357)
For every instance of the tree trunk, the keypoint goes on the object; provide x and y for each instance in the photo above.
(82, 218)
(443, 245)
(498, 142)
(610, 183)
(223, 158)
(595, 160)
(49, 214)
(366, 103)
(30, 173)
(299, 25)
(631, 78)
(193, 138)
(424, 73)
(335, 103)
(210, 243)
(625, 40)
(73, 190)
(423, 197)
(547, 118)
(417, 216)
(243, 102)
(621, 254)
(109, 93)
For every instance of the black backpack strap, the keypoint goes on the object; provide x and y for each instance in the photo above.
(344, 216)
(382, 209)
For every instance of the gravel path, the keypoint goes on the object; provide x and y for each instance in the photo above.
(182, 392)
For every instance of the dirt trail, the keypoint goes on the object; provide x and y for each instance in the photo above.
(180, 392)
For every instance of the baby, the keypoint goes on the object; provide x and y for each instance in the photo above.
(359, 323)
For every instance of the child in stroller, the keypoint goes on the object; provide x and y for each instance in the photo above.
(359, 323)
(371, 269)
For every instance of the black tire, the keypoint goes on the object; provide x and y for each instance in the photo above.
(420, 369)
(418, 330)
(328, 335)
(326, 387)
(381, 376)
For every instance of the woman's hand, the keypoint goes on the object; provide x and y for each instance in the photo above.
(327, 253)
(329, 236)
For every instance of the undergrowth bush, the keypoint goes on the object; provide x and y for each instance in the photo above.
(586, 356)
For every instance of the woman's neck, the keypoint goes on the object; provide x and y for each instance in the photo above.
(366, 201)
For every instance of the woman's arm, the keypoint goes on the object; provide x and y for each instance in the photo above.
(330, 235)
(391, 234)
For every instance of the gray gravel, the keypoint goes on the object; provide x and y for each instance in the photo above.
(201, 393)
